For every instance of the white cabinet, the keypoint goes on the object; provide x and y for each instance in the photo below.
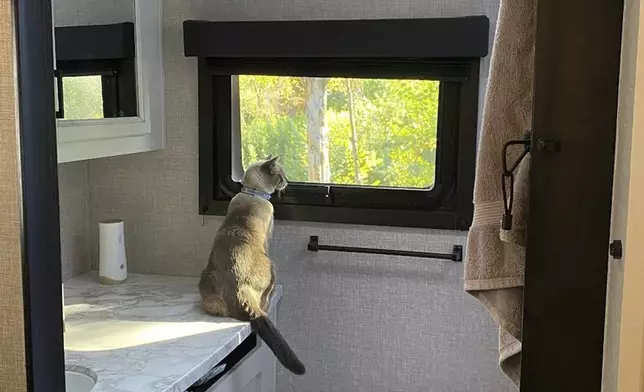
(256, 372)
(110, 130)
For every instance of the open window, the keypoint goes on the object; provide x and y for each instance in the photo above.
(374, 123)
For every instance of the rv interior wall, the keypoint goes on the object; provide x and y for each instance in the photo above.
(359, 322)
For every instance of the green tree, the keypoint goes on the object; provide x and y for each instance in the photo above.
(82, 97)
(317, 131)
(371, 132)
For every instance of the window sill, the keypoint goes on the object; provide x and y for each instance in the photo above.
(445, 220)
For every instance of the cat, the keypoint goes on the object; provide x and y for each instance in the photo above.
(239, 277)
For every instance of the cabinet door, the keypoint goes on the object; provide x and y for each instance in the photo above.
(256, 373)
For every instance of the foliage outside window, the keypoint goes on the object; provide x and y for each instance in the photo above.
(83, 97)
(351, 131)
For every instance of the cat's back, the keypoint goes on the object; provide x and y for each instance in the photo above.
(246, 224)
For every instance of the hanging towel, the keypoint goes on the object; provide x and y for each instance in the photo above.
(495, 262)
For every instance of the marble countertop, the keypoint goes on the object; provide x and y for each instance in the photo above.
(147, 334)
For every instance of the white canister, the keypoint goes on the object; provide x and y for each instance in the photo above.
(112, 267)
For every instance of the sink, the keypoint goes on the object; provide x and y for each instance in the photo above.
(79, 378)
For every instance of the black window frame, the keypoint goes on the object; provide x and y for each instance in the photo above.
(118, 84)
(447, 205)
(100, 50)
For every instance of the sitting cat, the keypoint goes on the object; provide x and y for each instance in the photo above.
(239, 277)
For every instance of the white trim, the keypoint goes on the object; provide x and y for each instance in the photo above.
(101, 148)
(235, 138)
(87, 139)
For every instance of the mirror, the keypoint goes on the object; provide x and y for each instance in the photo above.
(110, 93)
(96, 62)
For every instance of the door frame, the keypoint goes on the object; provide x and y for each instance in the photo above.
(577, 66)
(41, 258)
(624, 351)
(576, 83)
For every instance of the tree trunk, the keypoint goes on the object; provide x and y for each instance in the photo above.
(317, 132)
(354, 136)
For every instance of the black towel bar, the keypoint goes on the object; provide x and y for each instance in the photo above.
(456, 255)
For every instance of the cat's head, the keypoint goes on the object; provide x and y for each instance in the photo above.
(266, 176)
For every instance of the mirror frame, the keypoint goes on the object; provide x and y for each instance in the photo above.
(96, 138)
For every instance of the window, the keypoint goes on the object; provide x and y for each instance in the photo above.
(96, 89)
(384, 140)
(95, 71)
(342, 131)
(82, 97)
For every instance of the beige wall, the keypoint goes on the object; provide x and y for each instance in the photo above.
(73, 193)
(12, 343)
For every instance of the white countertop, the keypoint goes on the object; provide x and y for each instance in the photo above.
(147, 334)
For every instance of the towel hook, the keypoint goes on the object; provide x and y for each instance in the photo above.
(508, 176)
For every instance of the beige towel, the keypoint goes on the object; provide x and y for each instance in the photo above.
(495, 261)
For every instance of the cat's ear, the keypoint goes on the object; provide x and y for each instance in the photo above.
(268, 157)
(270, 163)
(271, 160)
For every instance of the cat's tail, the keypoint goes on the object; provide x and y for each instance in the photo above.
(266, 330)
